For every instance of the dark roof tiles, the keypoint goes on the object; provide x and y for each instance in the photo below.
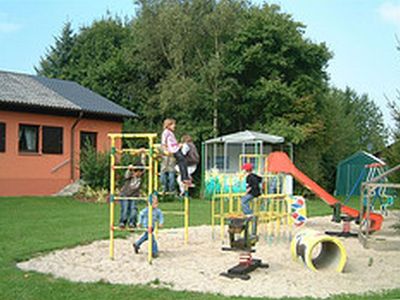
(55, 93)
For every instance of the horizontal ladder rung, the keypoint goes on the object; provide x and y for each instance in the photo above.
(173, 213)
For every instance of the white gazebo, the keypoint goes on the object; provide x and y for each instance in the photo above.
(223, 153)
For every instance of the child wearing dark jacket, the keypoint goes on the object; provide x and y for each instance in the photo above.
(253, 182)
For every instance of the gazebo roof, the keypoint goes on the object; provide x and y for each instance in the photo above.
(247, 136)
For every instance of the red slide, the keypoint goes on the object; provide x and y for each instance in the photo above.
(279, 162)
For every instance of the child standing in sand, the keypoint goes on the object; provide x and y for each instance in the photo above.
(169, 142)
(144, 222)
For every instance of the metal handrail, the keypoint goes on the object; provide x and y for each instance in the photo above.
(60, 165)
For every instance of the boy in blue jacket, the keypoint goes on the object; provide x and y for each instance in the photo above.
(143, 222)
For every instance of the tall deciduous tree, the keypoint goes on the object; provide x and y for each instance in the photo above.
(218, 67)
(392, 153)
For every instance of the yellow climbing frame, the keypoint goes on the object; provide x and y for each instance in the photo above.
(272, 209)
(152, 152)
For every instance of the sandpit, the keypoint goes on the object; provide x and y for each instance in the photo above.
(196, 267)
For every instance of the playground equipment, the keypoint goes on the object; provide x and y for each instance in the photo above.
(345, 220)
(151, 167)
(279, 162)
(257, 160)
(380, 192)
(318, 251)
(367, 196)
(369, 172)
(272, 208)
(222, 153)
(298, 210)
(243, 237)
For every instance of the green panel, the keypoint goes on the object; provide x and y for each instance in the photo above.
(348, 172)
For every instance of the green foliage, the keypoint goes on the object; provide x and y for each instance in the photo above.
(350, 123)
(392, 153)
(58, 58)
(88, 194)
(95, 168)
(370, 132)
(218, 67)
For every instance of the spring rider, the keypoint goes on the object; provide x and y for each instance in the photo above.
(242, 238)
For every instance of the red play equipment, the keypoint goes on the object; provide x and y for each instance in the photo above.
(279, 162)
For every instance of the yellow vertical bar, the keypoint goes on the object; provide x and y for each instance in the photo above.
(212, 215)
(289, 218)
(150, 206)
(186, 215)
(230, 195)
(112, 191)
(278, 218)
(278, 189)
(221, 214)
(150, 166)
(150, 230)
(285, 211)
(271, 220)
(156, 174)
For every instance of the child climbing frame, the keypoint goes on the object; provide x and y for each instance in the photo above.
(151, 167)
(272, 207)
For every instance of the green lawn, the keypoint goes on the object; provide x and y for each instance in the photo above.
(30, 226)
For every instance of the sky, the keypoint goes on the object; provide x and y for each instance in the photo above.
(361, 35)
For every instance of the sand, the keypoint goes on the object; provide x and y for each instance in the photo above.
(196, 267)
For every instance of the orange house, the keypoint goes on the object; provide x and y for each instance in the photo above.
(44, 123)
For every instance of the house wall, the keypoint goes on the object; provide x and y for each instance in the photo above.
(44, 174)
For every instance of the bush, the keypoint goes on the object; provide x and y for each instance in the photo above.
(87, 194)
(95, 168)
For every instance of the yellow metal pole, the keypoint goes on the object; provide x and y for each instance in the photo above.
(212, 214)
(132, 135)
(271, 219)
(221, 214)
(150, 206)
(186, 215)
(112, 191)
(278, 218)
(289, 218)
(285, 219)
(230, 195)
(156, 174)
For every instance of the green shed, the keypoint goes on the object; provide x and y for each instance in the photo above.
(349, 170)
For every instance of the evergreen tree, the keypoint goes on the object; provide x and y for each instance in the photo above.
(58, 58)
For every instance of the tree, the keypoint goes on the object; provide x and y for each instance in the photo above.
(58, 58)
(370, 133)
(95, 58)
(392, 153)
(219, 67)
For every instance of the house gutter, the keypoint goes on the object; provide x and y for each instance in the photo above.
(72, 159)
